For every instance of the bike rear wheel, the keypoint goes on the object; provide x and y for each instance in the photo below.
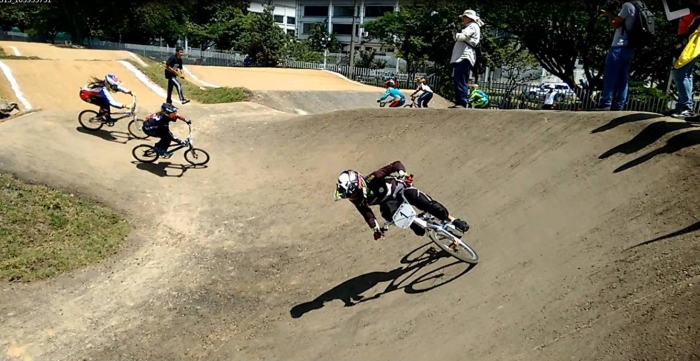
(88, 119)
(453, 245)
(145, 153)
(136, 129)
(196, 156)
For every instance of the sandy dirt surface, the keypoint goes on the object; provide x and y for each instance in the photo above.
(55, 84)
(586, 224)
(7, 93)
(276, 79)
(48, 51)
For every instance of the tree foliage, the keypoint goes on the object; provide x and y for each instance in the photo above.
(262, 39)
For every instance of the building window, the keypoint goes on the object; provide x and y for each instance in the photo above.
(317, 11)
(279, 19)
(343, 11)
(307, 27)
(291, 32)
(291, 20)
(377, 11)
(342, 29)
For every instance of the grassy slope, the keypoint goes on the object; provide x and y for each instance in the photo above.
(154, 71)
(44, 232)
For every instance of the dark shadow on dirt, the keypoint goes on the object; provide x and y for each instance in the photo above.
(690, 229)
(674, 144)
(350, 291)
(161, 168)
(630, 118)
(646, 137)
(110, 135)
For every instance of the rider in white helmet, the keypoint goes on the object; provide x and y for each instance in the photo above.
(380, 189)
(98, 92)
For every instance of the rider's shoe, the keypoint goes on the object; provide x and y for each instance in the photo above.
(162, 152)
(461, 225)
(184, 101)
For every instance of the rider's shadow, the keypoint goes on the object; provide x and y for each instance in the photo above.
(161, 168)
(110, 135)
(350, 291)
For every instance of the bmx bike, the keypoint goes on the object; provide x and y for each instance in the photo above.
(147, 153)
(382, 104)
(94, 121)
(444, 236)
(412, 104)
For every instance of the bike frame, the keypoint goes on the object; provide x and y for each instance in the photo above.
(188, 139)
(129, 113)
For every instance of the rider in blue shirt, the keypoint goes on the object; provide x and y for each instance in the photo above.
(399, 99)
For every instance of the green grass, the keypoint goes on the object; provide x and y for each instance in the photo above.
(45, 232)
(4, 55)
(155, 70)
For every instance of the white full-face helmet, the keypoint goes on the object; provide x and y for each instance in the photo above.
(351, 185)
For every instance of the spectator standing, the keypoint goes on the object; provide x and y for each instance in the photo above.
(549, 98)
(173, 69)
(464, 54)
(619, 58)
(682, 71)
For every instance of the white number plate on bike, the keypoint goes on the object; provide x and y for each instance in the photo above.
(404, 216)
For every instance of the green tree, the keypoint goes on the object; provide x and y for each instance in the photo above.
(262, 39)
(301, 50)
(366, 59)
(320, 39)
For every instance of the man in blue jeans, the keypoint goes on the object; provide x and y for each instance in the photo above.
(619, 59)
(464, 54)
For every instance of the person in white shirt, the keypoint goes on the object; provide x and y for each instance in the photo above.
(464, 54)
(549, 98)
(424, 98)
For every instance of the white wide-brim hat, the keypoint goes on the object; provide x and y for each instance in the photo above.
(472, 15)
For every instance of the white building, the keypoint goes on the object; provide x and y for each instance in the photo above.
(285, 13)
(298, 17)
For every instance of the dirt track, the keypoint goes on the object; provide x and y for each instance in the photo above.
(55, 84)
(48, 51)
(251, 259)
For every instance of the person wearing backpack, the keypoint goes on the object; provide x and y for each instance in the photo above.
(634, 29)
(464, 54)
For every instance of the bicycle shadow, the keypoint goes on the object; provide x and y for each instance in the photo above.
(350, 292)
(161, 168)
(630, 118)
(110, 135)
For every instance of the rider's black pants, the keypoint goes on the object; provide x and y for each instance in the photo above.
(417, 199)
(165, 138)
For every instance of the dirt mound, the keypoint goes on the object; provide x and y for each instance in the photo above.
(586, 225)
(280, 79)
(55, 84)
(313, 102)
(55, 52)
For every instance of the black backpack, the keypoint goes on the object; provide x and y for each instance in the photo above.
(642, 32)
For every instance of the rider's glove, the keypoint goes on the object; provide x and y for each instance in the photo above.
(126, 106)
(188, 121)
(133, 93)
(378, 100)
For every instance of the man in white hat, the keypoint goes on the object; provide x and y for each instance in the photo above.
(464, 54)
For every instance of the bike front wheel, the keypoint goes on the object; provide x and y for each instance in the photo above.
(136, 129)
(145, 153)
(88, 119)
(196, 156)
(453, 245)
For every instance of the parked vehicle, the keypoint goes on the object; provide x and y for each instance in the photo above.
(564, 91)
